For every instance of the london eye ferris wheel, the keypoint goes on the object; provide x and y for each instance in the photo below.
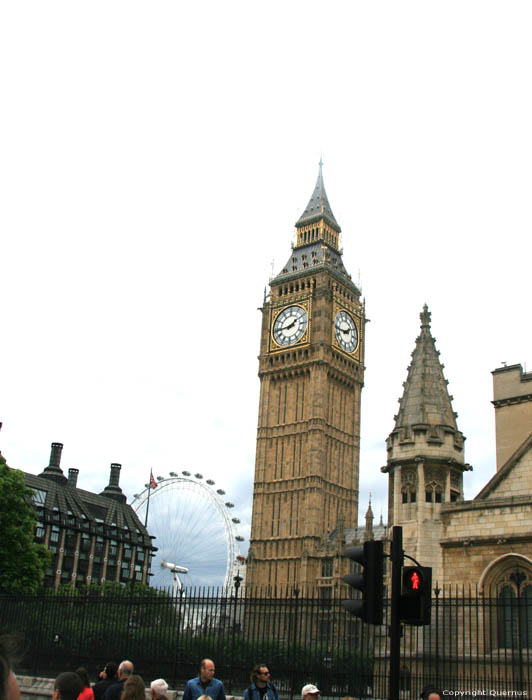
(194, 529)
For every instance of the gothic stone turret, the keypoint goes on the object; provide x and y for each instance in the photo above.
(425, 454)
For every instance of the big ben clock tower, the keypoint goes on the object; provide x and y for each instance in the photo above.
(311, 370)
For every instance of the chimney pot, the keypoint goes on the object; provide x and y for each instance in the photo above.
(73, 477)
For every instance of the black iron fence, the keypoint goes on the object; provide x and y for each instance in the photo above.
(475, 645)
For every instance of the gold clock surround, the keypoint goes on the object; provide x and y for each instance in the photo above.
(305, 339)
(354, 354)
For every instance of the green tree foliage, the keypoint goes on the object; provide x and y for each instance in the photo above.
(24, 562)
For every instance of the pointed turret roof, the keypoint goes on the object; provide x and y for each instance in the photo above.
(369, 512)
(425, 399)
(318, 206)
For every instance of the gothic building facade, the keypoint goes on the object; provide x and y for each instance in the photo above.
(305, 500)
(482, 542)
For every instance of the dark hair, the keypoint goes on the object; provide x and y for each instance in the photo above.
(84, 675)
(69, 685)
(111, 667)
(134, 689)
(255, 671)
(428, 689)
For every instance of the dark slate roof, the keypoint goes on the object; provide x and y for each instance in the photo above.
(311, 257)
(355, 535)
(81, 503)
(318, 206)
(425, 398)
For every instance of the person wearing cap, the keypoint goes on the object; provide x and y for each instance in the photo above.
(261, 686)
(158, 689)
(309, 692)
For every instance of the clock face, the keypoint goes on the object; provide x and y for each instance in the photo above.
(346, 331)
(290, 325)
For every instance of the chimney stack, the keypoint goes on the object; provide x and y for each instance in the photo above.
(114, 479)
(73, 477)
(53, 470)
(113, 490)
(55, 454)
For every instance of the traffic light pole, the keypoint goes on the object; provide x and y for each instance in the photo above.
(395, 621)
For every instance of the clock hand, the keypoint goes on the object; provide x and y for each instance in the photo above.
(286, 328)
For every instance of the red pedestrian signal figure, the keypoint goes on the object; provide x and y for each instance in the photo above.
(415, 599)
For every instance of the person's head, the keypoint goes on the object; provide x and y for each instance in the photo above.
(9, 689)
(206, 670)
(67, 686)
(158, 688)
(309, 692)
(83, 674)
(430, 692)
(260, 675)
(134, 689)
(111, 667)
(125, 669)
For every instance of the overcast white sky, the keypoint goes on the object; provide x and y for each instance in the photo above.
(154, 159)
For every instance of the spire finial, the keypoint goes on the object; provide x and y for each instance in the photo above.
(425, 316)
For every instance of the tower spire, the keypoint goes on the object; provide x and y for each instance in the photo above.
(317, 240)
(425, 399)
(318, 207)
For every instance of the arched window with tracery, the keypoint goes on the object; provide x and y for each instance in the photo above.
(508, 583)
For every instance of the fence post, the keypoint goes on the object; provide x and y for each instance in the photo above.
(395, 622)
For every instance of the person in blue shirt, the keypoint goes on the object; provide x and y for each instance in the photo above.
(261, 687)
(204, 684)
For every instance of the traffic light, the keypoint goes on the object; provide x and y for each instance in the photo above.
(370, 582)
(415, 600)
